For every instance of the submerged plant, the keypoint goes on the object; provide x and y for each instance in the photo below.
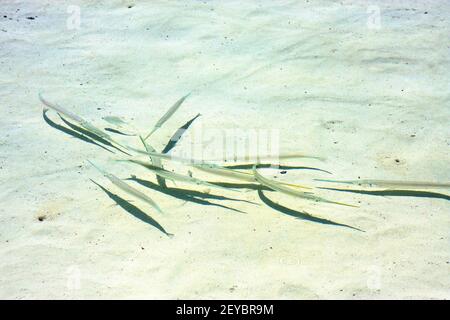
(253, 180)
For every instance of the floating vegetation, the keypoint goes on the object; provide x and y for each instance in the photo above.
(253, 180)
(283, 189)
(238, 175)
(249, 166)
(167, 115)
(393, 184)
(176, 176)
(120, 126)
(117, 121)
(88, 127)
(128, 189)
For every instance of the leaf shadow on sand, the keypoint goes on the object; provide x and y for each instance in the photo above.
(232, 185)
(119, 132)
(172, 143)
(70, 132)
(91, 135)
(188, 195)
(275, 166)
(299, 214)
(395, 193)
(178, 134)
(133, 210)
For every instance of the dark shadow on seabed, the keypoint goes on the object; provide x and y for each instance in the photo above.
(177, 135)
(232, 185)
(172, 143)
(120, 132)
(276, 166)
(91, 135)
(299, 214)
(188, 195)
(70, 132)
(133, 210)
(395, 193)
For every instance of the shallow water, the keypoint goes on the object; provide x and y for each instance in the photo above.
(364, 86)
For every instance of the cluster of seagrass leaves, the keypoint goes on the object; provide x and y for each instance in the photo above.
(246, 173)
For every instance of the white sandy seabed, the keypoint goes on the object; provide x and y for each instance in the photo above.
(365, 86)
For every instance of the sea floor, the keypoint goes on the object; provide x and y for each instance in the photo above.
(365, 86)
